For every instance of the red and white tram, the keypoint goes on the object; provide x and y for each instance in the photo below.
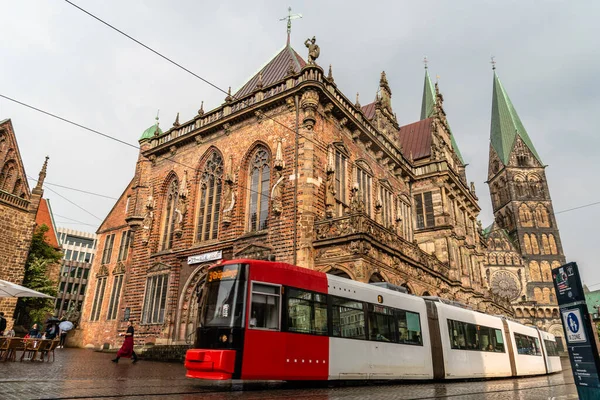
(272, 321)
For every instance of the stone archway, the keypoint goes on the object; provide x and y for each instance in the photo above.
(338, 270)
(376, 277)
(188, 310)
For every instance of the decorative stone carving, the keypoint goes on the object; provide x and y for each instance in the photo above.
(276, 191)
(173, 150)
(148, 217)
(330, 75)
(357, 205)
(313, 50)
(309, 103)
(505, 284)
(260, 116)
(176, 124)
(291, 104)
(227, 128)
(201, 110)
(330, 184)
(181, 206)
(228, 194)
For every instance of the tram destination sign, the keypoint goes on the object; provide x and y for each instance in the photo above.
(205, 257)
(579, 332)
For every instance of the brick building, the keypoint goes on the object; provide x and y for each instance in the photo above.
(524, 242)
(18, 211)
(288, 169)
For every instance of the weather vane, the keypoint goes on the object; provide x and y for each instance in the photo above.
(289, 19)
(493, 62)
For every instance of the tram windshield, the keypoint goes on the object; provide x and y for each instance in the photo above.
(225, 294)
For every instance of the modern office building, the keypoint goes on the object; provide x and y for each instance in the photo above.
(79, 249)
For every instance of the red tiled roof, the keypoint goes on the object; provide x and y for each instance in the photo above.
(274, 71)
(44, 217)
(369, 110)
(415, 139)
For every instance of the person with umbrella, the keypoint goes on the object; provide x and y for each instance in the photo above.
(52, 328)
(126, 349)
(64, 327)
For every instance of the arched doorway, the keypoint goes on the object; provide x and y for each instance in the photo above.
(339, 272)
(188, 310)
(408, 289)
(426, 293)
(376, 277)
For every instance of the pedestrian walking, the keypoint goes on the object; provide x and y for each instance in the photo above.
(2, 324)
(127, 349)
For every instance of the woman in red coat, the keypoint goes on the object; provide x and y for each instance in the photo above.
(127, 349)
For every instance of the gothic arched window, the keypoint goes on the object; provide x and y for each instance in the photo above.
(534, 271)
(553, 248)
(259, 178)
(541, 216)
(6, 176)
(545, 244)
(363, 180)
(535, 247)
(210, 198)
(525, 216)
(546, 271)
(538, 295)
(527, 243)
(170, 214)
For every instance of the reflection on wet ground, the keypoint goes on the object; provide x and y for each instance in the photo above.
(80, 374)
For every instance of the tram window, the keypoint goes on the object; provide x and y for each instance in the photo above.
(265, 306)
(381, 323)
(307, 312)
(348, 318)
(466, 336)
(527, 345)
(551, 348)
(409, 327)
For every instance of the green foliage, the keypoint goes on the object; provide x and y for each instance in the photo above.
(41, 256)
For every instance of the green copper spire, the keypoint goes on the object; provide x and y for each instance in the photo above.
(506, 124)
(428, 104)
(152, 131)
(428, 108)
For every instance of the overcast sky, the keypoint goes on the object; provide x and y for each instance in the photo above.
(58, 59)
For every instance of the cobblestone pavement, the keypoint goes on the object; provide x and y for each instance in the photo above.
(85, 374)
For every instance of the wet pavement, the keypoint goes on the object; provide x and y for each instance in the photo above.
(85, 374)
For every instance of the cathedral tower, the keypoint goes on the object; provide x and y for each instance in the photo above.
(522, 206)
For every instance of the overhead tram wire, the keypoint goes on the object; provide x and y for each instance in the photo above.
(74, 189)
(237, 185)
(75, 204)
(185, 69)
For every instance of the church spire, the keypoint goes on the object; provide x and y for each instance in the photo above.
(428, 104)
(42, 176)
(506, 124)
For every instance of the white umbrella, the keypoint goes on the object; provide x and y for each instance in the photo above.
(65, 326)
(9, 289)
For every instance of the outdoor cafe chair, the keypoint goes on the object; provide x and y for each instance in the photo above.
(50, 349)
(33, 347)
(13, 345)
(3, 344)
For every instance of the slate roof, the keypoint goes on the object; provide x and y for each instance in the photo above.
(369, 110)
(415, 139)
(506, 124)
(274, 71)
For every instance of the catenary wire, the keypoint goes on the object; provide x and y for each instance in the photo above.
(184, 68)
(236, 185)
(73, 203)
(74, 189)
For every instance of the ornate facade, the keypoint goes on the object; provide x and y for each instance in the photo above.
(524, 243)
(289, 169)
(18, 211)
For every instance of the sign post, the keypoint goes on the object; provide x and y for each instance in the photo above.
(579, 330)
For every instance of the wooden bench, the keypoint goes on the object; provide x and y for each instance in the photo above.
(12, 345)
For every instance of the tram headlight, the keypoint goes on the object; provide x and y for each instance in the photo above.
(223, 338)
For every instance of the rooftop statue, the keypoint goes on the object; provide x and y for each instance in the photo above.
(313, 50)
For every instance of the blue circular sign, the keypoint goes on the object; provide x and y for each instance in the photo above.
(573, 322)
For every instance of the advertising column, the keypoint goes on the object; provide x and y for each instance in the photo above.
(579, 330)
